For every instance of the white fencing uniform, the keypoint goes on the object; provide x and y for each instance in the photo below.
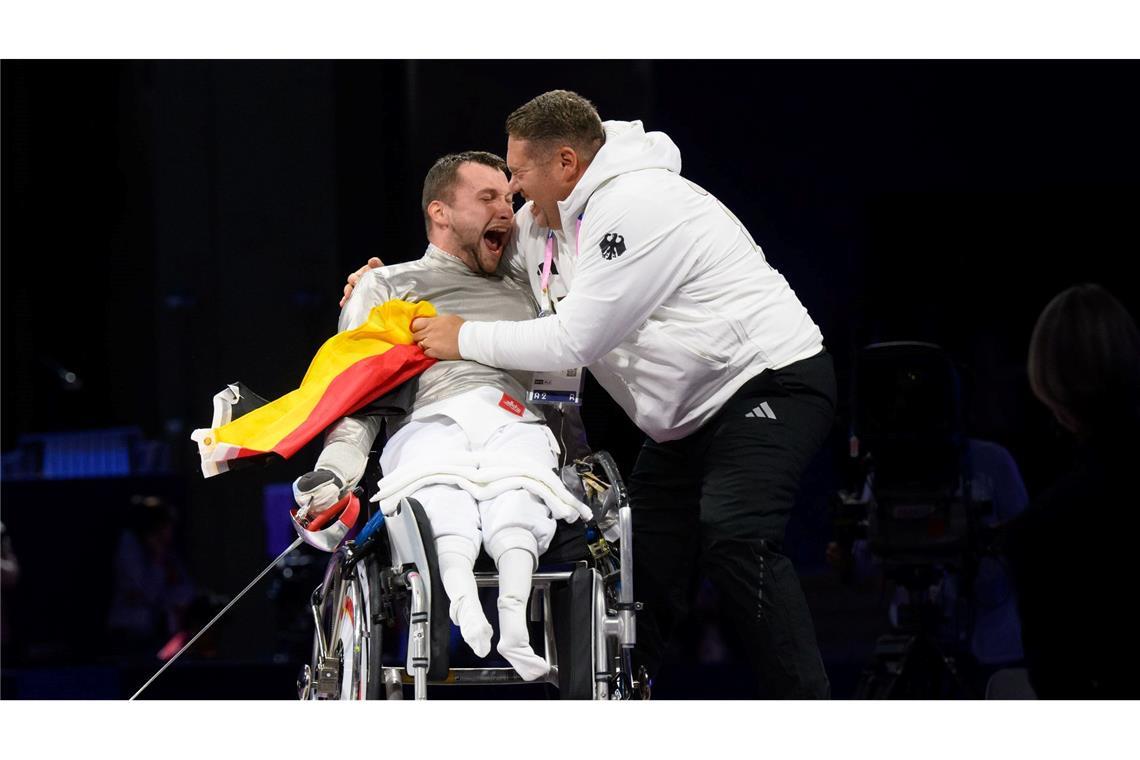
(515, 526)
(476, 456)
(438, 438)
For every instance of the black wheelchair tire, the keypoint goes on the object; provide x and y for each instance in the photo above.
(374, 689)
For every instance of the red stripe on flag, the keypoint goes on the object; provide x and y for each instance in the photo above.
(353, 388)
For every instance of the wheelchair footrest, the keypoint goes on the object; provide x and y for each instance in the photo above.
(475, 677)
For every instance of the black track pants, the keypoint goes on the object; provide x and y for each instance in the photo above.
(718, 502)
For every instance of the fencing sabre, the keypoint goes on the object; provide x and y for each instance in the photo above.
(225, 609)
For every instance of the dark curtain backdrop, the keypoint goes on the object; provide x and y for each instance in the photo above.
(171, 226)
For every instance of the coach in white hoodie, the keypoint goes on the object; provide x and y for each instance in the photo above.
(672, 306)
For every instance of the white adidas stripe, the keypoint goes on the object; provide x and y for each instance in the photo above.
(763, 411)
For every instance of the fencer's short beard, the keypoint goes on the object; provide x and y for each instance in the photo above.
(489, 264)
(475, 252)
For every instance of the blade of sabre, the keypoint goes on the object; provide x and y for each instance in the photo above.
(225, 609)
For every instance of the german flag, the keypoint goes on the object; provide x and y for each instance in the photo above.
(349, 371)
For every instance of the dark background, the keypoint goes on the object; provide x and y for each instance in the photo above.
(172, 226)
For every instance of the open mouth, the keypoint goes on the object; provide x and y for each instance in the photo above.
(495, 240)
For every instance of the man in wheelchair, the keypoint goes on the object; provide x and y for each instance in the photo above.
(471, 450)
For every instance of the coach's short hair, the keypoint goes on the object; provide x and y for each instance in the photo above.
(559, 117)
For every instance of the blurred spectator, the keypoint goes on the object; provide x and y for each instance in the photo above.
(1071, 551)
(9, 576)
(995, 636)
(152, 589)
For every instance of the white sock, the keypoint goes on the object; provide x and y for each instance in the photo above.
(515, 569)
(457, 573)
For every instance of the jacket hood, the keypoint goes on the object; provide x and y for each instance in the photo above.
(628, 148)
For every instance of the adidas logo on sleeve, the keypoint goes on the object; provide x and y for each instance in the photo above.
(763, 410)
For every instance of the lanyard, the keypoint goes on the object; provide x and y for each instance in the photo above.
(548, 261)
(565, 386)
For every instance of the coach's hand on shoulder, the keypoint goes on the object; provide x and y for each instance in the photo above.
(373, 263)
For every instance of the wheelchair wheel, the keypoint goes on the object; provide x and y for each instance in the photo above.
(345, 662)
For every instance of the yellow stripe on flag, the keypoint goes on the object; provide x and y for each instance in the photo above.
(388, 325)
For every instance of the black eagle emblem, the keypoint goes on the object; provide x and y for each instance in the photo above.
(612, 245)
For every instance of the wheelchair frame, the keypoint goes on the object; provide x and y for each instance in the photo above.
(362, 588)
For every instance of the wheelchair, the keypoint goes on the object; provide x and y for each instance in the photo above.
(582, 595)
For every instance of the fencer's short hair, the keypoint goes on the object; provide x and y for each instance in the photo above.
(1084, 357)
(557, 118)
(439, 184)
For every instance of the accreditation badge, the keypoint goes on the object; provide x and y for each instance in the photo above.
(563, 387)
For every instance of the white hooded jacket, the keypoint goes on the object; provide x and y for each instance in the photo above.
(670, 302)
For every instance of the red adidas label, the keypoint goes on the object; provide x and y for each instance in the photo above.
(511, 405)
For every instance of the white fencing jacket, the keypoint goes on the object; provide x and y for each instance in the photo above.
(669, 301)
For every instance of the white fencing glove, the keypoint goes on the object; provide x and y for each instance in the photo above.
(315, 492)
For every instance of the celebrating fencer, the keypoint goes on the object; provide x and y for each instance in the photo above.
(473, 451)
